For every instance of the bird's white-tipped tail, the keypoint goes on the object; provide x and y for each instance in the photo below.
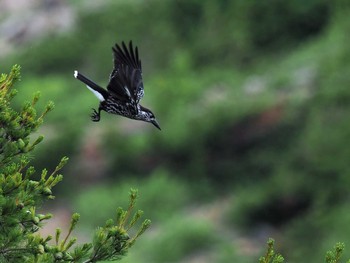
(99, 92)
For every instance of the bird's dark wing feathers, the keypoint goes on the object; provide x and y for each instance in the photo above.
(125, 56)
(126, 78)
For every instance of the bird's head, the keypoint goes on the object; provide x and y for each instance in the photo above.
(148, 116)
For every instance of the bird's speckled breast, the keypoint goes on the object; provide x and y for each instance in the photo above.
(126, 109)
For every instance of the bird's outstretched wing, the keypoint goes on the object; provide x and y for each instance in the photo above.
(126, 78)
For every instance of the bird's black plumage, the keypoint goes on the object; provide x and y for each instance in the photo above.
(125, 88)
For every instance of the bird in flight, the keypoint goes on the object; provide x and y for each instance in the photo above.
(125, 87)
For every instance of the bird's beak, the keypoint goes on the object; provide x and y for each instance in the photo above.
(155, 123)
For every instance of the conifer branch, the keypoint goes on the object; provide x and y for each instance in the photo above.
(333, 256)
(271, 256)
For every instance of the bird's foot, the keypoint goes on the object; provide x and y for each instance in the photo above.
(95, 116)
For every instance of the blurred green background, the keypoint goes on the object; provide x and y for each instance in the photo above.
(253, 100)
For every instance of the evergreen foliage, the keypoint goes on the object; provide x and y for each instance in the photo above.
(21, 195)
(271, 256)
(332, 256)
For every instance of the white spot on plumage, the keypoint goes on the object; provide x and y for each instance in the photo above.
(97, 94)
(75, 73)
(127, 91)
